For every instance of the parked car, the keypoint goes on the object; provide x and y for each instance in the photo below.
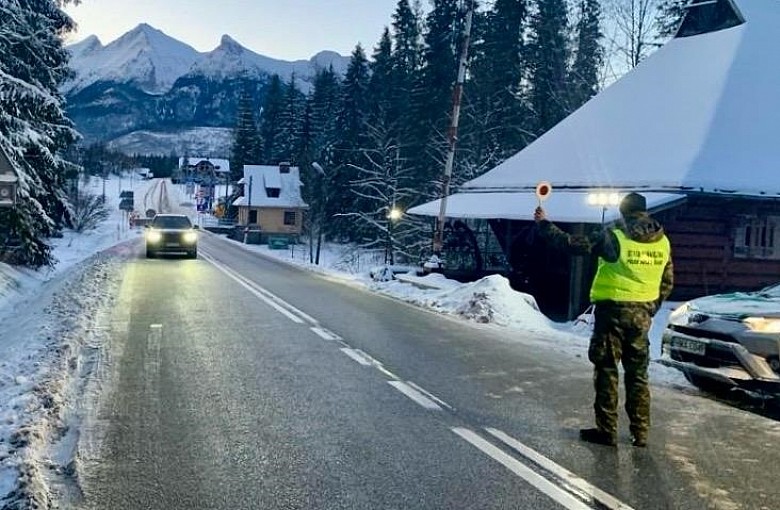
(171, 233)
(728, 340)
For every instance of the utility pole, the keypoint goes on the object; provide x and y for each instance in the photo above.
(438, 238)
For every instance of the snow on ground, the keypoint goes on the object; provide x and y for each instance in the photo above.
(50, 333)
(53, 331)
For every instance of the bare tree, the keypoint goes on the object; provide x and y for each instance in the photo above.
(632, 33)
(383, 188)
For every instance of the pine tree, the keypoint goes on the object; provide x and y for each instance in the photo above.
(549, 57)
(245, 136)
(270, 119)
(432, 95)
(496, 114)
(34, 130)
(406, 60)
(352, 125)
(319, 136)
(380, 91)
(584, 79)
(288, 137)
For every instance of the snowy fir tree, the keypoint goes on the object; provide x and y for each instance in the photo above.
(432, 94)
(270, 120)
(34, 130)
(351, 124)
(381, 67)
(548, 65)
(406, 59)
(588, 60)
(287, 142)
(245, 136)
(496, 112)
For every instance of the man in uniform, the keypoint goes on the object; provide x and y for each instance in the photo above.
(633, 278)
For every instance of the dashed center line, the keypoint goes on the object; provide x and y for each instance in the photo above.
(325, 334)
(352, 353)
(415, 395)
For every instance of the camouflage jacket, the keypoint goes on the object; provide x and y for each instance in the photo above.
(639, 227)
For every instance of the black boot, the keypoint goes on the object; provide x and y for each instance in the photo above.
(597, 436)
(639, 441)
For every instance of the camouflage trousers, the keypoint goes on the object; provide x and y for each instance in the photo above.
(620, 335)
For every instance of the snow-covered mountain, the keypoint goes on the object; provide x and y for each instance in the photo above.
(231, 59)
(148, 82)
(153, 61)
(143, 56)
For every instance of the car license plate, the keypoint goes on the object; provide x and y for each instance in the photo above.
(689, 345)
(172, 245)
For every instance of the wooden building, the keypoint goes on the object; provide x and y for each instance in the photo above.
(693, 128)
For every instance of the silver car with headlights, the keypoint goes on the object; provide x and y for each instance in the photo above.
(171, 233)
(727, 340)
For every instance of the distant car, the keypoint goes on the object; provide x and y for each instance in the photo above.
(728, 340)
(171, 233)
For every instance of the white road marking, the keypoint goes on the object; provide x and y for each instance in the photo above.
(268, 294)
(355, 356)
(548, 488)
(606, 500)
(153, 341)
(270, 302)
(429, 395)
(325, 334)
(415, 395)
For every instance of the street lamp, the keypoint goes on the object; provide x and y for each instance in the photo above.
(395, 214)
(322, 210)
(603, 199)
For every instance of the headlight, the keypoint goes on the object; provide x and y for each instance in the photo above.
(680, 311)
(190, 238)
(153, 236)
(762, 324)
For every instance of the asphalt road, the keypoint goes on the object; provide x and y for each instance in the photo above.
(240, 382)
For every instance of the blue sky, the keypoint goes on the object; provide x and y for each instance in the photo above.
(285, 29)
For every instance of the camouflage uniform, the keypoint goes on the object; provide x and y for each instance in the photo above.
(620, 329)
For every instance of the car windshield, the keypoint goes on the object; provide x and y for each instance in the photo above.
(171, 222)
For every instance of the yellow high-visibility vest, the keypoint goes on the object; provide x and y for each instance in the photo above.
(636, 275)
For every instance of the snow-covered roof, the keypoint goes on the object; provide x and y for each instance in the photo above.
(701, 114)
(220, 165)
(261, 178)
(561, 206)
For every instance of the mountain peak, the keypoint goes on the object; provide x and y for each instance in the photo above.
(230, 45)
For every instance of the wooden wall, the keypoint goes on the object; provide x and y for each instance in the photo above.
(702, 233)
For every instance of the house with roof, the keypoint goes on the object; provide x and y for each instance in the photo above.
(271, 201)
(204, 167)
(693, 128)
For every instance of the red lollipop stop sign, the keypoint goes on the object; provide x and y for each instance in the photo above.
(543, 190)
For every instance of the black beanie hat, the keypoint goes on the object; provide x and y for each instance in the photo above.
(633, 203)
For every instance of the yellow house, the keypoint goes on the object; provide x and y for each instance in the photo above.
(272, 200)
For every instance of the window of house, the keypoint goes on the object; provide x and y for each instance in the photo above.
(758, 238)
(253, 217)
(705, 16)
(272, 192)
(289, 217)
